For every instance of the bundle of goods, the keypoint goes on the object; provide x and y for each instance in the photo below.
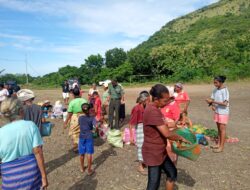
(198, 129)
(103, 131)
(190, 150)
(114, 138)
(126, 135)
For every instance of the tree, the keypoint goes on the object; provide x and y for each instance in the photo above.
(115, 57)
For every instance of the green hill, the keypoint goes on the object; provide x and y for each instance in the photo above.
(210, 41)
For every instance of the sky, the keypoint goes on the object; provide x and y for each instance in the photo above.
(49, 34)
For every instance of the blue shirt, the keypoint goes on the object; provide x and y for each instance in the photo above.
(221, 95)
(18, 139)
(86, 126)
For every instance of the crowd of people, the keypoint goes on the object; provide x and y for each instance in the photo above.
(155, 117)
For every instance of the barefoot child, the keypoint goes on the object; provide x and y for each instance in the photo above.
(220, 104)
(86, 142)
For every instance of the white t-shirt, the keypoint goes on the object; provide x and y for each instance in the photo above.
(221, 95)
(3, 94)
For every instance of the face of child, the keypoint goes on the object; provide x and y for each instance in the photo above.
(217, 84)
(163, 100)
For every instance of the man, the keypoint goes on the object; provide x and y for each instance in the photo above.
(3, 93)
(65, 92)
(116, 96)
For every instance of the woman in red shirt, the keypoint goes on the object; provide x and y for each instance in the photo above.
(136, 120)
(171, 113)
(155, 140)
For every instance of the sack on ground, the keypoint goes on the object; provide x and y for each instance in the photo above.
(115, 138)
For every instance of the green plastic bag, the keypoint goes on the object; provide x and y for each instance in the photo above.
(114, 138)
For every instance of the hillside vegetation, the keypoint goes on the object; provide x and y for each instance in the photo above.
(210, 41)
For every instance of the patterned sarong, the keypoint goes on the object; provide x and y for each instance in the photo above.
(74, 129)
(22, 173)
(139, 140)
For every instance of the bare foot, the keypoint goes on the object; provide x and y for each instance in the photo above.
(91, 172)
(219, 150)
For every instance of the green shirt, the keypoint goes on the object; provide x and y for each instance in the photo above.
(75, 106)
(115, 92)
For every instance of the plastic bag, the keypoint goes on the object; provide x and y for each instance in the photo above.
(126, 135)
(103, 131)
(115, 138)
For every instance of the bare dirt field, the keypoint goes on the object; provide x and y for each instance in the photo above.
(116, 168)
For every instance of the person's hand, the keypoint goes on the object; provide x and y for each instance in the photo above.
(65, 125)
(132, 141)
(122, 101)
(45, 183)
(209, 101)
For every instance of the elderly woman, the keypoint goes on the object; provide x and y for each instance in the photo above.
(32, 112)
(136, 120)
(74, 110)
(21, 153)
(181, 97)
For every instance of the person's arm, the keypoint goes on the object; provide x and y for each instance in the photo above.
(67, 120)
(38, 152)
(186, 106)
(170, 134)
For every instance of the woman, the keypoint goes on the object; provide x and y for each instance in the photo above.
(181, 97)
(32, 112)
(72, 118)
(156, 134)
(136, 120)
(21, 153)
(220, 104)
(171, 113)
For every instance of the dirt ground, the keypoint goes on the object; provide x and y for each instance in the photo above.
(116, 168)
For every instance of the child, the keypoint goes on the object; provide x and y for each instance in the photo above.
(86, 142)
(220, 104)
(97, 106)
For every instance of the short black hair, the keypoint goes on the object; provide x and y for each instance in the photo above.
(85, 108)
(76, 91)
(157, 91)
(1, 85)
(95, 93)
(221, 79)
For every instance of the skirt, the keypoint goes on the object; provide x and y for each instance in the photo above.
(74, 129)
(139, 140)
(22, 173)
